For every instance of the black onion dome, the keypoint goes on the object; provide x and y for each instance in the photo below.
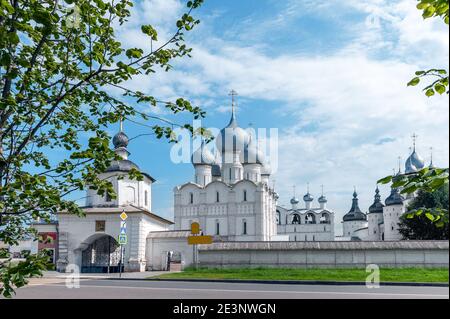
(122, 166)
(377, 206)
(394, 198)
(355, 212)
(126, 166)
(120, 140)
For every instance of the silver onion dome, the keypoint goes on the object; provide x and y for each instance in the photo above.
(232, 138)
(308, 197)
(203, 156)
(322, 199)
(294, 200)
(120, 140)
(252, 154)
(414, 162)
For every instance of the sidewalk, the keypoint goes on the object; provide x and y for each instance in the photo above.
(125, 275)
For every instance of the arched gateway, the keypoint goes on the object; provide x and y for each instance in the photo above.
(101, 255)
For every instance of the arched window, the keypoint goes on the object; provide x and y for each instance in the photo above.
(278, 217)
(130, 194)
(107, 197)
(296, 219)
(325, 218)
(191, 198)
(310, 218)
(244, 227)
(145, 198)
(245, 195)
(217, 197)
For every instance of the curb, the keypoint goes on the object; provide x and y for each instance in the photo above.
(304, 282)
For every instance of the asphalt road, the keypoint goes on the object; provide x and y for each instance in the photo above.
(123, 289)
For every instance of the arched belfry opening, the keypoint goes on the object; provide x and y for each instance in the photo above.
(100, 254)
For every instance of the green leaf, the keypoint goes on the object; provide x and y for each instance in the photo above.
(134, 53)
(429, 11)
(439, 88)
(429, 216)
(440, 224)
(385, 180)
(429, 92)
(414, 81)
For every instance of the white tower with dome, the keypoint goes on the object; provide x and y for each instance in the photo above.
(91, 242)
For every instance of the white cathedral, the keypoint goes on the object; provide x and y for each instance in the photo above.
(381, 221)
(230, 199)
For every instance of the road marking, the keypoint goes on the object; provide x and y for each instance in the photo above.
(254, 291)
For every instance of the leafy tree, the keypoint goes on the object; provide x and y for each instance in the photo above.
(420, 226)
(59, 61)
(439, 84)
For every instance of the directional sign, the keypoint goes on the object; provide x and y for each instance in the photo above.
(200, 240)
(195, 228)
(123, 227)
(123, 216)
(123, 239)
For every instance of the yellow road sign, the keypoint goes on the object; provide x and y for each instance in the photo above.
(200, 240)
(123, 216)
(195, 228)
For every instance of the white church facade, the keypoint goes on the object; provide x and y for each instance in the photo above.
(230, 196)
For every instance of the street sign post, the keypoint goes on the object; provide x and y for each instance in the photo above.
(122, 239)
(197, 239)
(123, 227)
(200, 240)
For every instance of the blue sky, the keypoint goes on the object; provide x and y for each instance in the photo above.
(330, 75)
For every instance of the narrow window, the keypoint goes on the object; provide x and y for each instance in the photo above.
(191, 198)
(306, 237)
(295, 238)
(217, 228)
(146, 198)
(217, 197)
(230, 172)
(108, 197)
(314, 237)
(245, 195)
(245, 227)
